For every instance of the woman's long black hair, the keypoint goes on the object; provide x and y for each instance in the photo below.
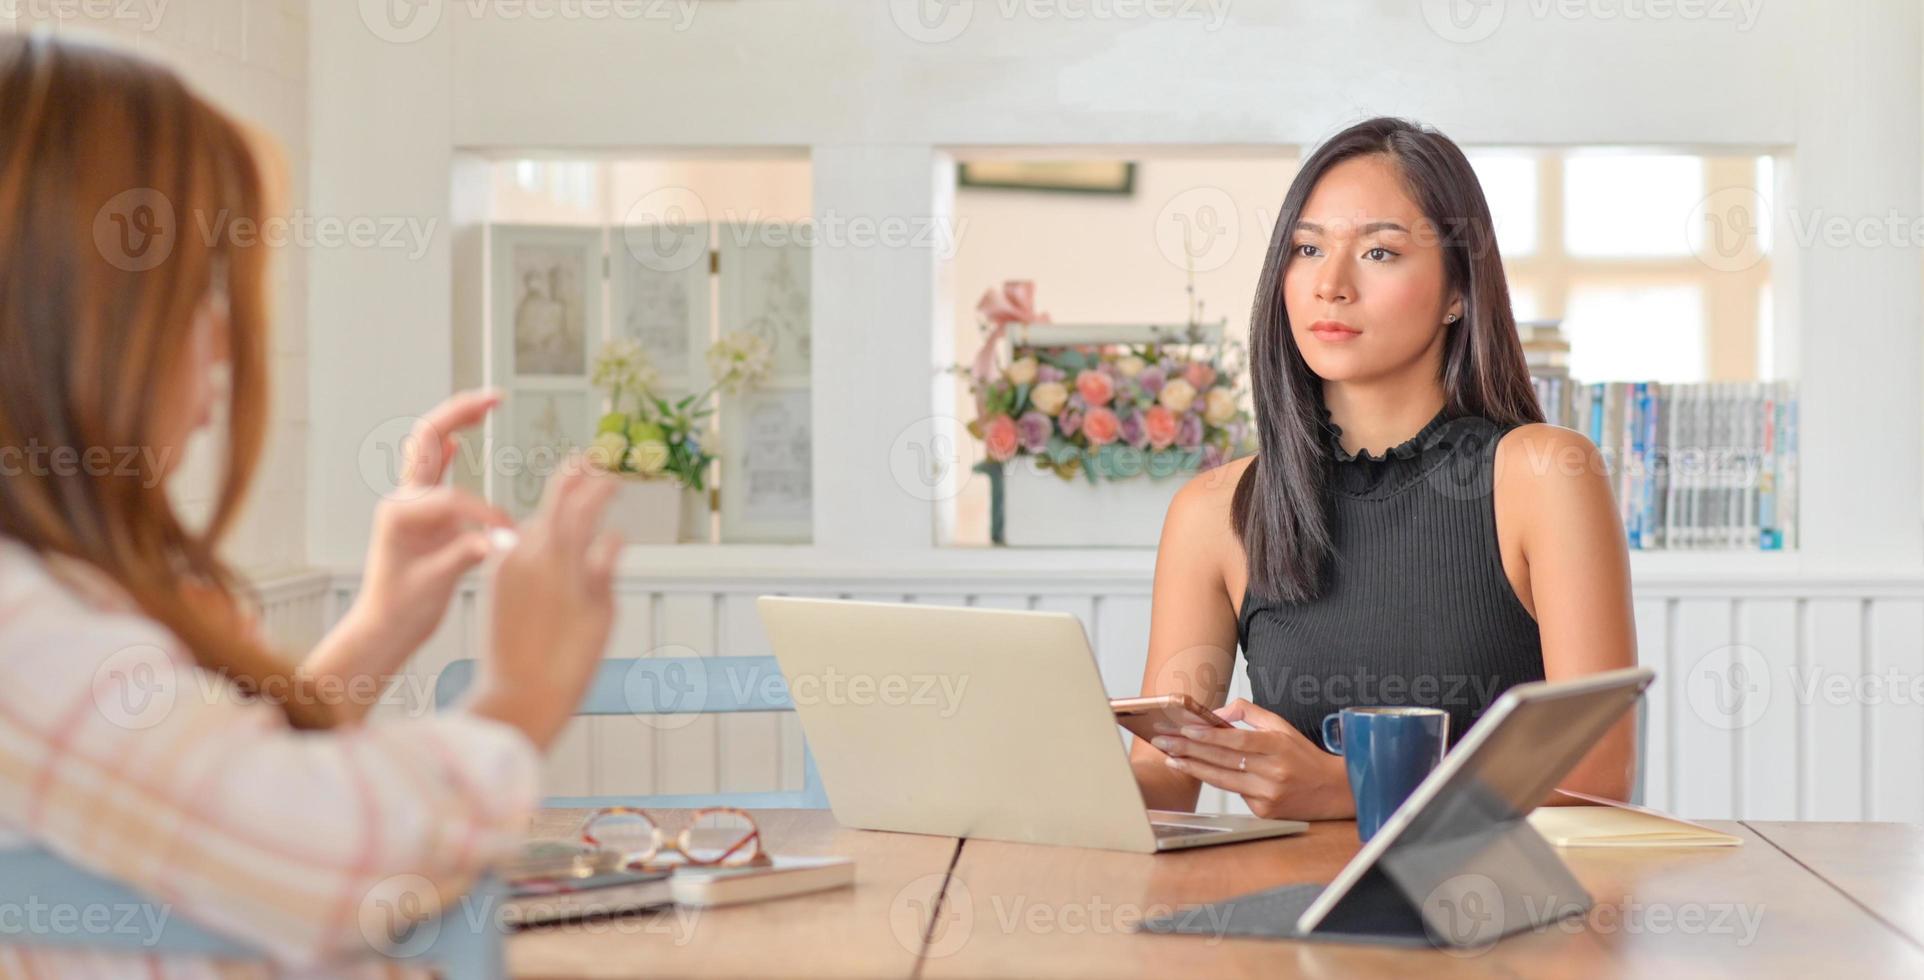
(1280, 506)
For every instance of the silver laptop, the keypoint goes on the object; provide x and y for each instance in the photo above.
(968, 722)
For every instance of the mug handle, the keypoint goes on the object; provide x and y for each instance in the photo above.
(1333, 732)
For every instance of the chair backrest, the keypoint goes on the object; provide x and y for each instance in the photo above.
(1643, 748)
(676, 685)
(459, 943)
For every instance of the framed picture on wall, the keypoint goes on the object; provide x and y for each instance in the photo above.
(766, 465)
(1070, 176)
(546, 301)
(764, 289)
(662, 305)
(543, 426)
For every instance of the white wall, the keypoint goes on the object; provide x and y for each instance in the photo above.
(250, 58)
(878, 110)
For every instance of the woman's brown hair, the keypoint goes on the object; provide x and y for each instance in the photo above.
(1280, 509)
(111, 174)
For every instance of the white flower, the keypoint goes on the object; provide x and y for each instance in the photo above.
(739, 360)
(607, 449)
(1177, 394)
(621, 366)
(1022, 371)
(1220, 407)
(1049, 397)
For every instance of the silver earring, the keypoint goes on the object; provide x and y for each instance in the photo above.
(1450, 319)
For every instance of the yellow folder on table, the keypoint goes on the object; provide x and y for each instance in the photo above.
(1613, 824)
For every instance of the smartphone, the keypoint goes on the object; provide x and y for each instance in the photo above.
(1163, 714)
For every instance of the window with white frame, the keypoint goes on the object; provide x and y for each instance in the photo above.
(1616, 244)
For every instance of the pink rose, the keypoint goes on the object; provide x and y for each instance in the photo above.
(1199, 375)
(1095, 387)
(1002, 438)
(1033, 429)
(1100, 426)
(1189, 431)
(1070, 421)
(1161, 426)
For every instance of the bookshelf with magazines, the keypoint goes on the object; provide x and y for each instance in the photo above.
(1708, 466)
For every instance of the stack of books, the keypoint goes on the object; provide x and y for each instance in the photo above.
(1693, 466)
(1544, 350)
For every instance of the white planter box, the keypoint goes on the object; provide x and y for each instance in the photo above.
(655, 511)
(1042, 510)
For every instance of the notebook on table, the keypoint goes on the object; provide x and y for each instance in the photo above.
(1609, 823)
(707, 887)
(561, 881)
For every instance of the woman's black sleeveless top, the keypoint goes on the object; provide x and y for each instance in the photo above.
(1415, 607)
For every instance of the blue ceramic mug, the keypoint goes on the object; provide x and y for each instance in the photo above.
(1388, 751)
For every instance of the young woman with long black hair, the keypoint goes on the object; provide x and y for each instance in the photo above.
(1410, 532)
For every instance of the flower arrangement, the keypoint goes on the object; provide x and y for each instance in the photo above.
(645, 434)
(1108, 410)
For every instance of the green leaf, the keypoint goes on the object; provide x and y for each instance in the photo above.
(1061, 450)
(1000, 400)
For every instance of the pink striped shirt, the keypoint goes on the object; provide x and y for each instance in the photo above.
(122, 756)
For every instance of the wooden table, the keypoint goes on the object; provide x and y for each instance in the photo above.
(1795, 899)
(1880, 866)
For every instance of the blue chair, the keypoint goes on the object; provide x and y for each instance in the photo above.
(676, 685)
(1643, 750)
(36, 878)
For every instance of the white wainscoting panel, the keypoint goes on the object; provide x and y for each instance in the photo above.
(294, 609)
(1779, 697)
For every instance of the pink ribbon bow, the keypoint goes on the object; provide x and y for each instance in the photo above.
(1013, 303)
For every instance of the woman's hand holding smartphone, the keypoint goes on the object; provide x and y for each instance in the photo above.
(1276, 771)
